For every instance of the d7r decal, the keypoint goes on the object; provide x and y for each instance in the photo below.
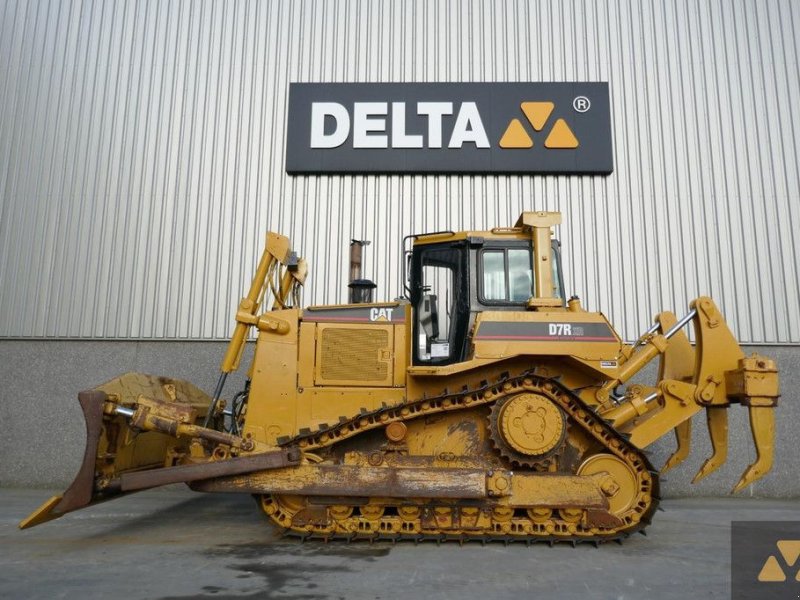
(563, 329)
(545, 332)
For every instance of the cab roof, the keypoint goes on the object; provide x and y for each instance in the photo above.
(499, 233)
(521, 231)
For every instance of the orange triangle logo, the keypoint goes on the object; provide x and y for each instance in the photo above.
(790, 549)
(516, 136)
(561, 136)
(537, 113)
(771, 571)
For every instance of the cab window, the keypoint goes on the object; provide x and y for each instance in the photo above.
(507, 276)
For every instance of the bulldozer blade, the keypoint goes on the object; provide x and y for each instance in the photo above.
(79, 493)
(762, 425)
(111, 446)
(119, 459)
(683, 436)
(717, 419)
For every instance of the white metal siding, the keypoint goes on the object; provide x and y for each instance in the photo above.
(142, 155)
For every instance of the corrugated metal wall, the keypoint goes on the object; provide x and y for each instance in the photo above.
(142, 153)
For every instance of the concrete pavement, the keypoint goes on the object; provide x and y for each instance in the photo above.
(173, 543)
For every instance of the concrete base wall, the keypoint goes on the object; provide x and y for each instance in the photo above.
(42, 432)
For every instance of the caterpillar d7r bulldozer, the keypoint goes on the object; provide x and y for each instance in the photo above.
(483, 406)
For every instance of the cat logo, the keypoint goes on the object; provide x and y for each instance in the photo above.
(772, 572)
(537, 113)
(380, 314)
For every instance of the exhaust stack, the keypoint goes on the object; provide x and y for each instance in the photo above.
(360, 290)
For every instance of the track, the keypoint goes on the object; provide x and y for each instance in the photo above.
(488, 521)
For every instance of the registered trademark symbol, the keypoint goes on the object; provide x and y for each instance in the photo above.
(581, 104)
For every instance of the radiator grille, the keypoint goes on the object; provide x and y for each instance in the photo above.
(354, 354)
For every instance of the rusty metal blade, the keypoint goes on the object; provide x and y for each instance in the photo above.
(79, 493)
(119, 459)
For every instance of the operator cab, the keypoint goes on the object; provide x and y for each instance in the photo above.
(455, 276)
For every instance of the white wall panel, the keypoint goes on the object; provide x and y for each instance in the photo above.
(142, 153)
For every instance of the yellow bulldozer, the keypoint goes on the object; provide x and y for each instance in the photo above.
(483, 405)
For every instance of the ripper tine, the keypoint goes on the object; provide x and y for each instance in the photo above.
(762, 426)
(717, 419)
(683, 435)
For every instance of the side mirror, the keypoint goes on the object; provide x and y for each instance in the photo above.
(407, 271)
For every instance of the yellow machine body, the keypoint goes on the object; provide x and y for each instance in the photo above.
(485, 406)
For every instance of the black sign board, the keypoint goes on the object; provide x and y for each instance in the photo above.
(449, 128)
(765, 560)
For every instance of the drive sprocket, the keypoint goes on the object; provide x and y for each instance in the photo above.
(527, 429)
